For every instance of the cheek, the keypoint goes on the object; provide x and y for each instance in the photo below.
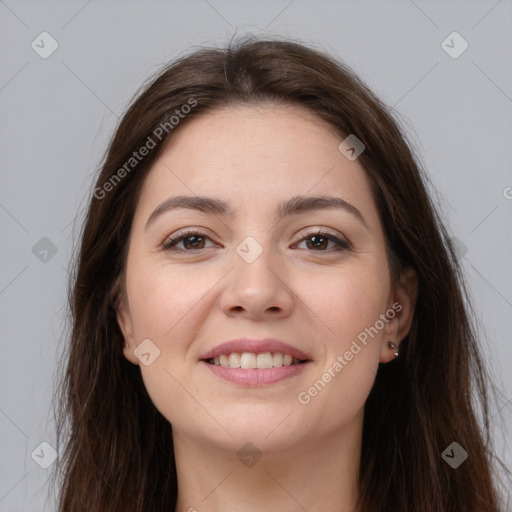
(164, 301)
(351, 305)
(348, 301)
(167, 307)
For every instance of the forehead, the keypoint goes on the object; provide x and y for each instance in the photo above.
(253, 153)
(242, 136)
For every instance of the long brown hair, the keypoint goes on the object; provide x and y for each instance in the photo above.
(116, 449)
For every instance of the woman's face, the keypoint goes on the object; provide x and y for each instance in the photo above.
(259, 271)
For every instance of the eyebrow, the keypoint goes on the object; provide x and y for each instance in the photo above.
(294, 206)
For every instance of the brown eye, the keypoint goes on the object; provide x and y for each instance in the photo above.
(319, 242)
(192, 240)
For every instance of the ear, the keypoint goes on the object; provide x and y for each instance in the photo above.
(124, 320)
(402, 302)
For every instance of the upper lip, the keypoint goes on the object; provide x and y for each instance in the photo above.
(255, 346)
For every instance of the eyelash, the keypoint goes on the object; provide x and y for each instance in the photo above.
(172, 241)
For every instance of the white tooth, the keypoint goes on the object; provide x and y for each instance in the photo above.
(264, 360)
(234, 360)
(277, 360)
(247, 360)
(216, 361)
(223, 360)
(287, 359)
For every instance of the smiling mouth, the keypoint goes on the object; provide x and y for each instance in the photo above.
(250, 360)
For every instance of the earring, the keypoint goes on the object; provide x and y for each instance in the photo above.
(392, 346)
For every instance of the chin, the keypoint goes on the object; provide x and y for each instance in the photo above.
(268, 430)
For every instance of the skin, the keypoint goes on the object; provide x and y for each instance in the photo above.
(316, 299)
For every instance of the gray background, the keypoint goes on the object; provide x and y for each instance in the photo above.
(57, 113)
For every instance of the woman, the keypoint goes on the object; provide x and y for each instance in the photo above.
(267, 313)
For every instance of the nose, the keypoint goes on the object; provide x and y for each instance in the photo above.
(258, 289)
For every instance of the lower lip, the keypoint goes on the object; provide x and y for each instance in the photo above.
(254, 376)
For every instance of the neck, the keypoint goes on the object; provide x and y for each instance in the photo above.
(319, 475)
